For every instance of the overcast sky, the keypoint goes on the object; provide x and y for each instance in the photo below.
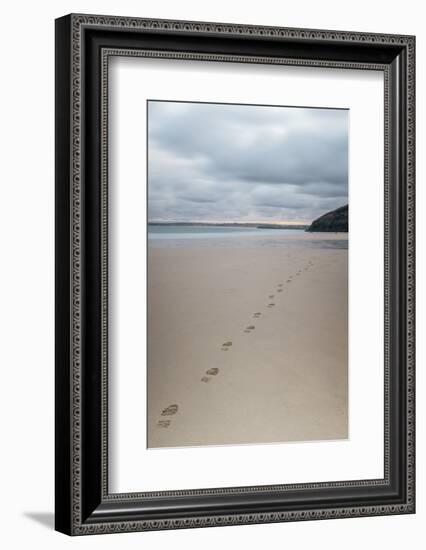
(212, 162)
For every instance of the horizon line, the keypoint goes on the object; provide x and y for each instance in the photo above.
(218, 222)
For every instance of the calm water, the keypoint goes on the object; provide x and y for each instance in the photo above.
(217, 236)
(208, 232)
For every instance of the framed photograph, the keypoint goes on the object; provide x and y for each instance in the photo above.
(232, 346)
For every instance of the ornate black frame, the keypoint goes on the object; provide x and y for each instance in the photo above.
(83, 46)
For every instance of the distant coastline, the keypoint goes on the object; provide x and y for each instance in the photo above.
(233, 224)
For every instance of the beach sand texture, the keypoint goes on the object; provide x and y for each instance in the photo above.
(247, 344)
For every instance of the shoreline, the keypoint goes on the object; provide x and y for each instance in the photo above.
(271, 237)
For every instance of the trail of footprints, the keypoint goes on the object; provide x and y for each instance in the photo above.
(210, 374)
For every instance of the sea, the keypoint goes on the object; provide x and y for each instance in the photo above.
(217, 236)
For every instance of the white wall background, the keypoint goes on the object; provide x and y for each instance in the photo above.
(26, 289)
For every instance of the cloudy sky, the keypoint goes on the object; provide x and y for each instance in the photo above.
(212, 162)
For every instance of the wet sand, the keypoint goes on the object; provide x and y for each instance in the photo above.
(247, 344)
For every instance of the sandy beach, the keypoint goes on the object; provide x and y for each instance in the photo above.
(247, 344)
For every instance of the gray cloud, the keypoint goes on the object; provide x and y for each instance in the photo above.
(211, 162)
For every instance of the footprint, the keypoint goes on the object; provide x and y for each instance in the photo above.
(271, 305)
(280, 290)
(288, 280)
(257, 315)
(226, 346)
(213, 371)
(271, 296)
(163, 423)
(170, 410)
(280, 285)
(250, 328)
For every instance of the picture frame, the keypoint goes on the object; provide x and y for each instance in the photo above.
(84, 505)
